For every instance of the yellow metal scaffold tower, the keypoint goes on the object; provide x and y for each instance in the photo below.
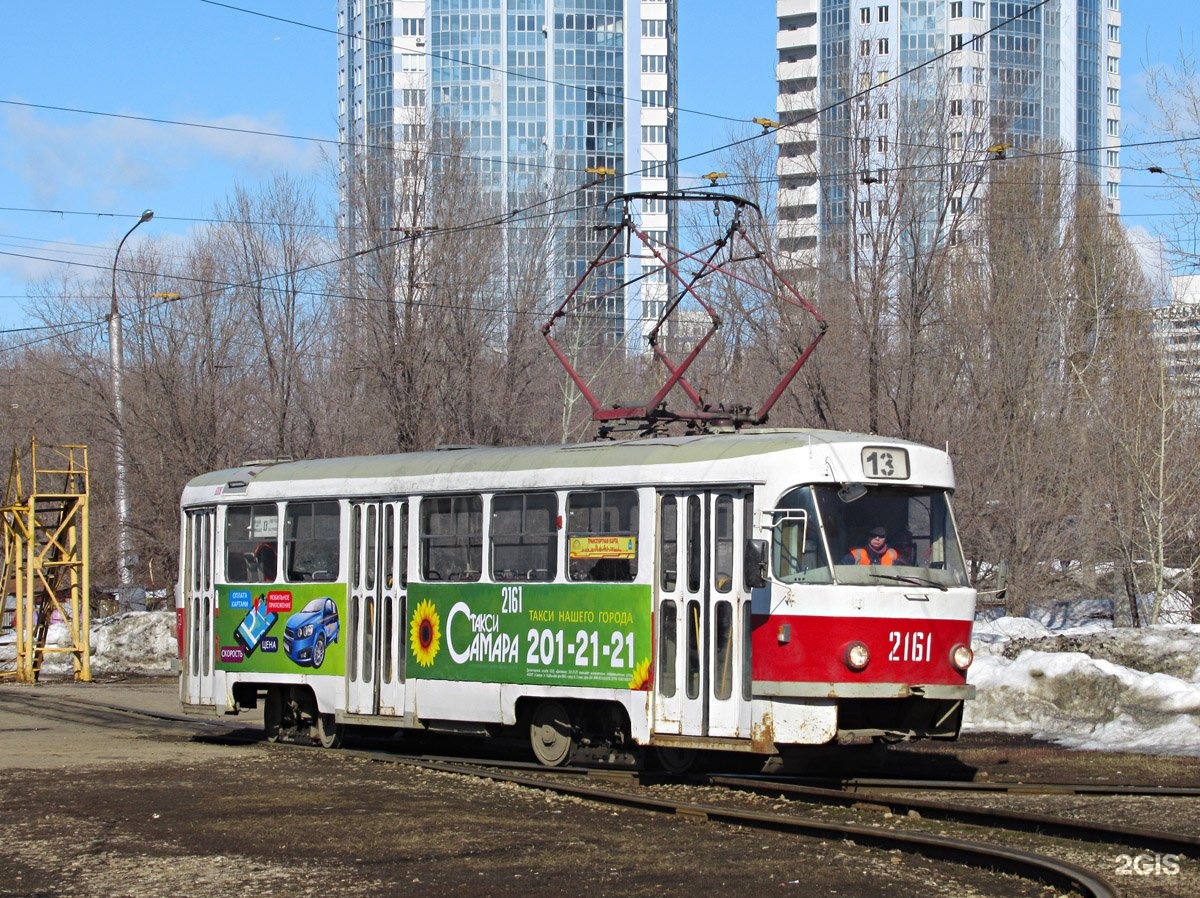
(46, 557)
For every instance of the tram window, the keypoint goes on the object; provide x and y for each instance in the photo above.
(669, 544)
(723, 656)
(602, 535)
(797, 551)
(668, 647)
(311, 534)
(452, 538)
(251, 543)
(401, 654)
(355, 538)
(695, 544)
(371, 562)
(385, 643)
(404, 544)
(395, 532)
(389, 546)
(524, 537)
(724, 543)
(368, 638)
(746, 642)
(692, 673)
(352, 643)
(747, 534)
(205, 639)
(919, 528)
(191, 552)
(921, 542)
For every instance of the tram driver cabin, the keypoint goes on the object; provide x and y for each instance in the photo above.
(674, 594)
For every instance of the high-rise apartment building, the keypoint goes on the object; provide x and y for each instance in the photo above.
(865, 98)
(542, 96)
(1179, 329)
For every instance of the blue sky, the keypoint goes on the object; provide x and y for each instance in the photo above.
(71, 184)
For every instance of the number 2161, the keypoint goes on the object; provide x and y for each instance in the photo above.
(917, 646)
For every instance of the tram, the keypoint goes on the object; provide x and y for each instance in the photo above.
(642, 598)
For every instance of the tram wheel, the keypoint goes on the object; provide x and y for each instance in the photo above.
(326, 732)
(675, 761)
(273, 715)
(551, 734)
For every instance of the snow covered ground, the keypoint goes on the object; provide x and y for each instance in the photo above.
(1066, 675)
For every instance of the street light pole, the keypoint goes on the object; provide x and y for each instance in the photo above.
(124, 538)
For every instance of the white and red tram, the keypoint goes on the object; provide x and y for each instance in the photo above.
(675, 593)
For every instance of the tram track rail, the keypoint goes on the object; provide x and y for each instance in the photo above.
(1023, 821)
(1030, 865)
(868, 785)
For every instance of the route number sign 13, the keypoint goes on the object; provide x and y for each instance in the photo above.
(885, 463)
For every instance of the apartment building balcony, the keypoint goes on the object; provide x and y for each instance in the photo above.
(797, 168)
(796, 68)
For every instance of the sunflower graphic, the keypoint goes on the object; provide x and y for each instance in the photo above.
(426, 633)
(641, 676)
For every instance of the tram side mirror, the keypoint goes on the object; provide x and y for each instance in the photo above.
(756, 563)
(851, 492)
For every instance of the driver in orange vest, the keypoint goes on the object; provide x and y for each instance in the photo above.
(877, 550)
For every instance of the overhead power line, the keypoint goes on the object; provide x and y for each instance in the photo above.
(526, 213)
(430, 54)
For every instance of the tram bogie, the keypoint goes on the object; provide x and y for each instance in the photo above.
(656, 598)
(290, 713)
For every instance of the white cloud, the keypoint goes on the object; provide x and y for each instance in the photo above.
(74, 161)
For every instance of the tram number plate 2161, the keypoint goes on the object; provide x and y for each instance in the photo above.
(910, 645)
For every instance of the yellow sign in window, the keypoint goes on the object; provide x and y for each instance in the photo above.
(603, 547)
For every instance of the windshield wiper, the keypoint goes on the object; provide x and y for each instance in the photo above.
(911, 579)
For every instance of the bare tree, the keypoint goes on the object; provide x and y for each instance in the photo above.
(901, 179)
(445, 284)
(1153, 505)
(1174, 94)
(269, 252)
(1042, 325)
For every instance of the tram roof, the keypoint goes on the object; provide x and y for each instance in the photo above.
(703, 448)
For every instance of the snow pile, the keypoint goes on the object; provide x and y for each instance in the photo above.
(1070, 677)
(136, 642)
(143, 642)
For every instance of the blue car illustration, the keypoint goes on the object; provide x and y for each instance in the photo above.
(309, 632)
(255, 625)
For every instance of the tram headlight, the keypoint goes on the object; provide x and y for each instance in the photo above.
(961, 656)
(857, 655)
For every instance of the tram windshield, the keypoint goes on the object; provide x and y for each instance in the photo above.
(823, 534)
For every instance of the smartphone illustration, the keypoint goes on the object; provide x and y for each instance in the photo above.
(255, 625)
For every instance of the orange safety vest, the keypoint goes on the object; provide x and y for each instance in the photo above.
(862, 556)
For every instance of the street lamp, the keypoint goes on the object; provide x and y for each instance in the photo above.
(124, 539)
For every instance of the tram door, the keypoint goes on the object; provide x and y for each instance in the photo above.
(703, 615)
(376, 609)
(199, 605)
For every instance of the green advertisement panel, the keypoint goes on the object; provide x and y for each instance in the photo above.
(295, 628)
(553, 633)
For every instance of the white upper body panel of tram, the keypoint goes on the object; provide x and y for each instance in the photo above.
(781, 458)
